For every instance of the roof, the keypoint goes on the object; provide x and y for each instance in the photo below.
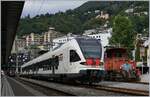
(11, 12)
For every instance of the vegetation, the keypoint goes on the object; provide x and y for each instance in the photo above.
(123, 33)
(137, 53)
(83, 18)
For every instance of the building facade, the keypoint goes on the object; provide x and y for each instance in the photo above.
(18, 45)
(103, 15)
(34, 39)
(49, 37)
(61, 40)
(103, 34)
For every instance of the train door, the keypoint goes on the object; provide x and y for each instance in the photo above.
(73, 59)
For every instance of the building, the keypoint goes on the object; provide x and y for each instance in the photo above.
(49, 36)
(18, 45)
(103, 37)
(129, 10)
(147, 48)
(34, 39)
(103, 15)
(142, 49)
(103, 34)
(61, 40)
(100, 34)
(148, 54)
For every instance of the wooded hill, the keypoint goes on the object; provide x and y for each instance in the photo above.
(83, 18)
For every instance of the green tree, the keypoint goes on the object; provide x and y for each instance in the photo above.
(93, 23)
(140, 23)
(123, 33)
(137, 53)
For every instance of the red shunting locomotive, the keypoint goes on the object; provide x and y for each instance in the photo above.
(114, 59)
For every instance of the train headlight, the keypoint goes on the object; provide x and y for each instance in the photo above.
(89, 61)
(97, 61)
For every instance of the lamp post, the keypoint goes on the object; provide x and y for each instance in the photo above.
(16, 63)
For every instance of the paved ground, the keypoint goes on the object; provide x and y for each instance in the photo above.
(6, 89)
(145, 78)
(12, 87)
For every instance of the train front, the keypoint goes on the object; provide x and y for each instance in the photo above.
(93, 69)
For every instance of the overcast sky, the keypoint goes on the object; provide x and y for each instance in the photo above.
(34, 7)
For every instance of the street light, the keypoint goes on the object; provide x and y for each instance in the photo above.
(11, 60)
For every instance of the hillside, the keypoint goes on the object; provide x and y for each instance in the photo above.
(83, 17)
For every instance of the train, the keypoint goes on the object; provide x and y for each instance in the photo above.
(79, 59)
(114, 58)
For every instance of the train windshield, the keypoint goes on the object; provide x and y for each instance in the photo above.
(91, 48)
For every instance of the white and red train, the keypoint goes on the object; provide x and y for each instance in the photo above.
(78, 59)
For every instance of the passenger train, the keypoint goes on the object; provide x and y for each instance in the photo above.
(78, 59)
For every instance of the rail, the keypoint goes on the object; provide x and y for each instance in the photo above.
(135, 92)
(121, 90)
(46, 87)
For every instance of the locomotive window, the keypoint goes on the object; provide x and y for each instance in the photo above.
(109, 55)
(74, 56)
(118, 55)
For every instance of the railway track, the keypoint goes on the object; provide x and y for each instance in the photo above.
(121, 90)
(135, 92)
(47, 90)
(136, 82)
(146, 83)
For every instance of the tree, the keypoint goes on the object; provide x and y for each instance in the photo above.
(140, 23)
(93, 23)
(137, 53)
(123, 33)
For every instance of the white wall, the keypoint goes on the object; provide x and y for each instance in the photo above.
(104, 37)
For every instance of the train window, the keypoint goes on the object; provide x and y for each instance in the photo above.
(74, 56)
(90, 48)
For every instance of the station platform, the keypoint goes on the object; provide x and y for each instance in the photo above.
(6, 89)
(12, 87)
(145, 77)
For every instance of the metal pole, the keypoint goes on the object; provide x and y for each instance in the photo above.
(142, 65)
(17, 63)
(16, 57)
